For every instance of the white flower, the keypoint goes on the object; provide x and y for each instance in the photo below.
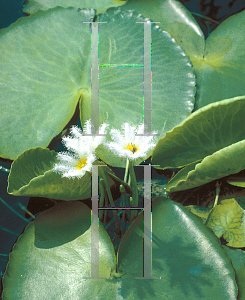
(81, 151)
(130, 145)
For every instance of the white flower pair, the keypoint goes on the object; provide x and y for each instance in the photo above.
(130, 143)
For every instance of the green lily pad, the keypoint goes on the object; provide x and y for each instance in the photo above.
(121, 88)
(203, 133)
(44, 61)
(229, 160)
(181, 256)
(174, 18)
(32, 6)
(52, 256)
(218, 62)
(31, 174)
(54, 253)
(237, 257)
(227, 220)
(221, 71)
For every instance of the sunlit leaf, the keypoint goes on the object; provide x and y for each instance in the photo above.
(240, 183)
(121, 42)
(53, 255)
(204, 132)
(186, 255)
(44, 63)
(229, 160)
(221, 71)
(173, 17)
(227, 220)
(218, 62)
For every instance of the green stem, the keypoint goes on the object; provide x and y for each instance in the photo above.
(107, 206)
(134, 191)
(217, 193)
(123, 192)
(108, 191)
(126, 171)
(205, 17)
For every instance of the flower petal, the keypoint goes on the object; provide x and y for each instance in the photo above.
(127, 137)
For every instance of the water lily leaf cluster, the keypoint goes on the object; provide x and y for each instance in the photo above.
(47, 70)
(209, 144)
(62, 235)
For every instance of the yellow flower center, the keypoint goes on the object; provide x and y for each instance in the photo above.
(132, 147)
(82, 162)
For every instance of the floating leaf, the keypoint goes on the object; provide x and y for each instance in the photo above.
(121, 87)
(31, 174)
(227, 220)
(53, 255)
(218, 62)
(204, 132)
(44, 66)
(185, 254)
(229, 160)
(32, 6)
(237, 257)
(175, 18)
(221, 71)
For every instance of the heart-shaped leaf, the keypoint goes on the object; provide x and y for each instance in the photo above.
(31, 174)
(52, 256)
(227, 220)
(32, 6)
(121, 75)
(204, 132)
